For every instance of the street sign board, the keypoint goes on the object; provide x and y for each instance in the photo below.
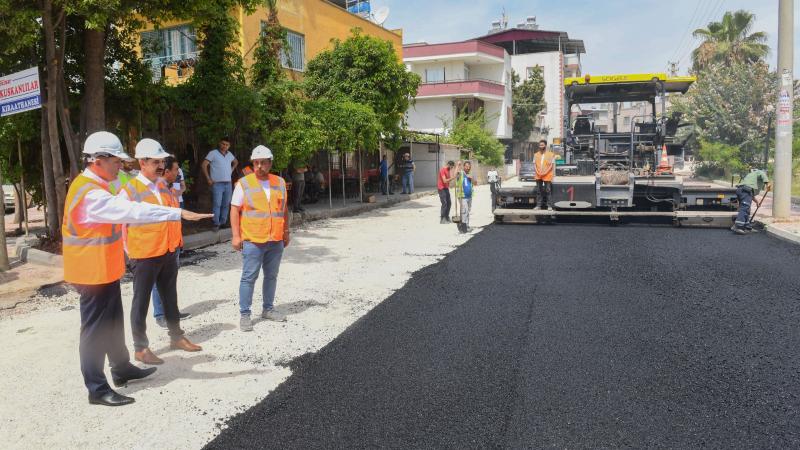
(20, 92)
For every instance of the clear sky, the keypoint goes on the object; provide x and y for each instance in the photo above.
(621, 36)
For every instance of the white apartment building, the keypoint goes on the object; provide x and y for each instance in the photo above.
(555, 53)
(460, 76)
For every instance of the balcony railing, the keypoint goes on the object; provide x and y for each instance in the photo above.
(455, 87)
(181, 61)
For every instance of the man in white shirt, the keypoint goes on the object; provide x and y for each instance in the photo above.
(94, 264)
(217, 168)
(494, 184)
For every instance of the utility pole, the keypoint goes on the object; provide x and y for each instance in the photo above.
(782, 200)
(673, 68)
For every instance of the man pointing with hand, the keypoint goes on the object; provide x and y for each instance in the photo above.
(260, 232)
(94, 263)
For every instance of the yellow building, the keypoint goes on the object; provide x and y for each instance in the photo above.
(172, 49)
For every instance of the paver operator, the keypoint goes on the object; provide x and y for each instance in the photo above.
(94, 264)
(545, 163)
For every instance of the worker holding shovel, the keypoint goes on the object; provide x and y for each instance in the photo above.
(746, 191)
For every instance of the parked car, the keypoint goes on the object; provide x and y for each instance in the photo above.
(9, 197)
(527, 172)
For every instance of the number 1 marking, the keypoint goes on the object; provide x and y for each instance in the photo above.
(571, 191)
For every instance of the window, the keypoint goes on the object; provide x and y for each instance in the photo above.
(434, 75)
(294, 57)
(626, 122)
(174, 43)
(530, 71)
(169, 46)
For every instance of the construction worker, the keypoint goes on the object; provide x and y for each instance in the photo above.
(94, 264)
(545, 164)
(260, 232)
(464, 188)
(493, 177)
(126, 173)
(746, 192)
(152, 251)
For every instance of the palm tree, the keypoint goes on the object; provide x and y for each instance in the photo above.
(729, 41)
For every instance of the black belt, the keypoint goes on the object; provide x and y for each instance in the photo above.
(746, 189)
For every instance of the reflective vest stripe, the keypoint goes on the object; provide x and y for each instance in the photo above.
(115, 236)
(262, 218)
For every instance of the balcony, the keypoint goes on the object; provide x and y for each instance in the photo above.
(474, 52)
(175, 67)
(485, 89)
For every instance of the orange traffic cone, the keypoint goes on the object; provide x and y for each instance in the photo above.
(663, 167)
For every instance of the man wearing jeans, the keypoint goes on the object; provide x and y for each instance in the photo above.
(386, 186)
(464, 183)
(260, 232)
(174, 178)
(408, 167)
(217, 168)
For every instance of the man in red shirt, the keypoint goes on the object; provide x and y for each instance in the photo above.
(446, 175)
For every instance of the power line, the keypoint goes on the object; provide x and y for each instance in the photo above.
(688, 28)
(702, 17)
(713, 13)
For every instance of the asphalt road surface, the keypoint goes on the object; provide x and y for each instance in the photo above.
(566, 336)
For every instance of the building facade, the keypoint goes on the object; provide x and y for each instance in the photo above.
(460, 77)
(555, 53)
(172, 50)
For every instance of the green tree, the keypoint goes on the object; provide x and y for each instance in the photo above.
(365, 70)
(728, 105)
(528, 102)
(469, 130)
(730, 41)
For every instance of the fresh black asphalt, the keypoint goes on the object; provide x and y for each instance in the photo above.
(565, 336)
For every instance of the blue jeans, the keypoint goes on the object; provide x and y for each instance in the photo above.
(158, 307)
(221, 202)
(266, 257)
(408, 183)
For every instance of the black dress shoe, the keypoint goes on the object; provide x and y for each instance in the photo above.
(110, 398)
(121, 377)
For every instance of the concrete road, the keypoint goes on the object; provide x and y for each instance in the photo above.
(567, 336)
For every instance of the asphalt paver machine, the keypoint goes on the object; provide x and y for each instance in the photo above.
(624, 172)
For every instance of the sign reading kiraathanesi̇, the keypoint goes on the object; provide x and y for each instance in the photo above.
(20, 92)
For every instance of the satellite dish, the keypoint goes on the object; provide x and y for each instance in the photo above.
(380, 15)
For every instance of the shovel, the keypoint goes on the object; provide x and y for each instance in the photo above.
(457, 218)
(759, 203)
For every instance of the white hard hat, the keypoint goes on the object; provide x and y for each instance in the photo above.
(150, 148)
(261, 152)
(104, 143)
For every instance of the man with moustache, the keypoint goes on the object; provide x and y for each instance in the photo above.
(152, 251)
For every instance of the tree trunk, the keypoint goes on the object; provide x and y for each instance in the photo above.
(51, 105)
(51, 209)
(94, 47)
(70, 138)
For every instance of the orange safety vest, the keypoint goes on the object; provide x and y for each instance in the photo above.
(92, 252)
(149, 240)
(261, 220)
(545, 164)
